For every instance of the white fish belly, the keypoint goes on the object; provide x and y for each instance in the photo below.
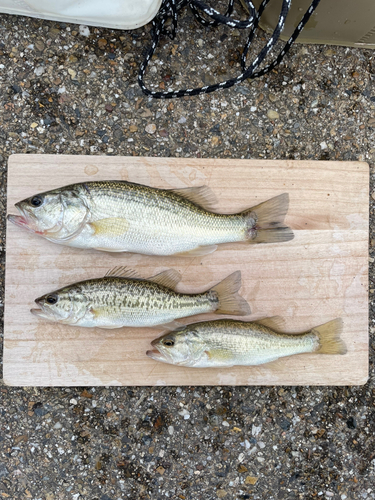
(129, 320)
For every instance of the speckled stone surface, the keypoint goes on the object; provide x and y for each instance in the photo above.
(64, 92)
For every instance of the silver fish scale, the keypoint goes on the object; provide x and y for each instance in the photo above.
(133, 302)
(229, 341)
(157, 221)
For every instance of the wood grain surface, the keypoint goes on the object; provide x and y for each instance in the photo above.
(320, 275)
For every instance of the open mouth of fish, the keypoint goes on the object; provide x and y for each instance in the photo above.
(22, 221)
(156, 355)
(40, 313)
(164, 357)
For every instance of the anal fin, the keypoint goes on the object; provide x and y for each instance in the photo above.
(110, 327)
(198, 252)
(110, 250)
(170, 326)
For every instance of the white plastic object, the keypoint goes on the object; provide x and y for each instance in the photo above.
(119, 14)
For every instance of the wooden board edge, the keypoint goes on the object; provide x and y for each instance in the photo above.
(356, 383)
(359, 379)
(13, 157)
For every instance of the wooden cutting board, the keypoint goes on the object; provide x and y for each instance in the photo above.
(320, 275)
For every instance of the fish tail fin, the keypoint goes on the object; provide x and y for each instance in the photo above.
(329, 337)
(278, 235)
(230, 302)
(265, 222)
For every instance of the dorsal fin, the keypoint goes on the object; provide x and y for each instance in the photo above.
(121, 272)
(276, 323)
(169, 278)
(201, 195)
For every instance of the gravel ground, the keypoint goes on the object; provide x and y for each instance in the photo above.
(72, 91)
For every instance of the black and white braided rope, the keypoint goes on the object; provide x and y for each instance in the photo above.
(209, 22)
(170, 9)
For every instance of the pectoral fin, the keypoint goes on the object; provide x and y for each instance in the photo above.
(96, 313)
(110, 227)
(99, 313)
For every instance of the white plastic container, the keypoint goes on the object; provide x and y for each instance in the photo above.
(120, 14)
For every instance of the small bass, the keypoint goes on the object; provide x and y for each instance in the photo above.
(228, 342)
(121, 299)
(120, 216)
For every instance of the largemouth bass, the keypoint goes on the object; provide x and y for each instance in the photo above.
(120, 299)
(120, 216)
(227, 342)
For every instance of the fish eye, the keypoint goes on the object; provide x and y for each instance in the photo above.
(168, 342)
(51, 299)
(36, 201)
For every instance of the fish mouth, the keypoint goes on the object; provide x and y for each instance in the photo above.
(156, 355)
(39, 313)
(24, 220)
(20, 221)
